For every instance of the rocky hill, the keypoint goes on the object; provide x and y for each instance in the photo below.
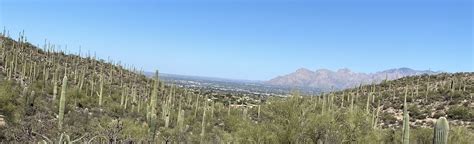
(428, 97)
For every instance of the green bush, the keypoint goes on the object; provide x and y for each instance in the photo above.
(422, 135)
(461, 135)
(9, 103)
(460, 112)
(415, 112)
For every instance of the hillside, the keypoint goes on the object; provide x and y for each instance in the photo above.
(48, 96)
(428, 96)
(340, 79)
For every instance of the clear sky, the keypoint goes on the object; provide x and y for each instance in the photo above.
(255, 39)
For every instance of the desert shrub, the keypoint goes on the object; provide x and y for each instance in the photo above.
(460, 112)
(415, 112)
(456, 95)
(132, 128)
(461, 135)
(422, 135)
(9, 103)
(388, 118)
(438, 114)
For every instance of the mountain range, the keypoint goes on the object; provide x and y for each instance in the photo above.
(343, 78)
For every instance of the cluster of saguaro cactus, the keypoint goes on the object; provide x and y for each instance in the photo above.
(26, 64)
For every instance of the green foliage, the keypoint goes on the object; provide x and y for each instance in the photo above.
(461, 112)
(138, 131)
(416, 112)
(461, 135)
(9, 102)
(422, 135)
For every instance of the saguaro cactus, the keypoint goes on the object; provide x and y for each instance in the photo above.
(122, 97)
(203, 123)
(167, 119)
(152, 106)
(441, 130)
(154, 94)
(55, 90)
(406, 120)
(62, 103)
(367, 105)
(180, 120)
(100, 93)
(376, 116)
(352, 101)
(258, 112)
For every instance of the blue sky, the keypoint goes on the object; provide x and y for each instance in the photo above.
(255, 39)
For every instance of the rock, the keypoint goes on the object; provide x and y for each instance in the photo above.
(3, 123)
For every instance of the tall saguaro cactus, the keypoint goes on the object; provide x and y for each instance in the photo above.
(154, 94)
(152, 107)
(180, 121)
(203, 123)
(55, 90)
(258, 112)
(352, 101)
(441, 130)
(368, 102)
(101, 88)
(406, 120)
(62, 103)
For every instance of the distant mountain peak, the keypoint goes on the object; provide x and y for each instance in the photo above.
(341, 79)
(324, 71)
(303, 70)
(403, 69)
(344, 70)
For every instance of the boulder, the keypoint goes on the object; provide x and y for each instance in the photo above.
(3, 123)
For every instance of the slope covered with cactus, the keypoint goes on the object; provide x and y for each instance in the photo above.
(52, 97)
(429, 97)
